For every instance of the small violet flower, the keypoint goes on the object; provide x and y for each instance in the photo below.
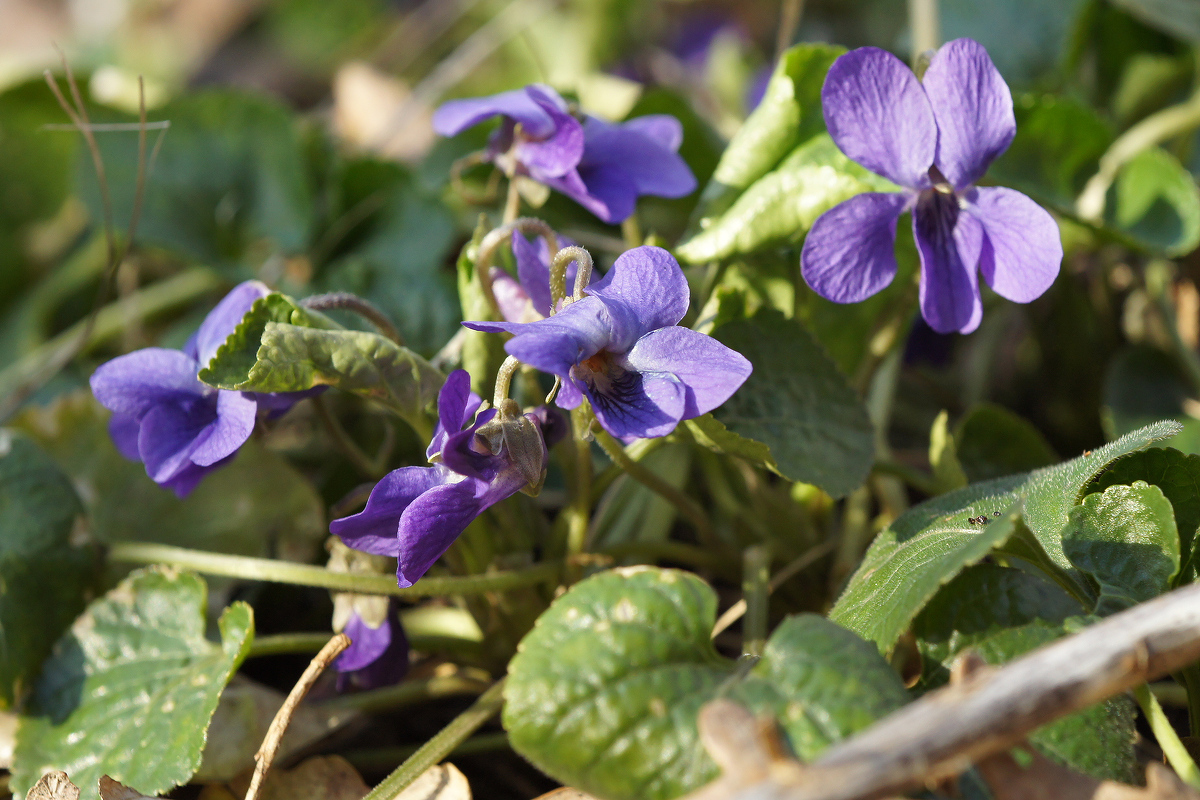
(414, 514)
(935, 139)
(526, 298)
(163, 416)
(603, 166)
(378, 651)
(621, 347)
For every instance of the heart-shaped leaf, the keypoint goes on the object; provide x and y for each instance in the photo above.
(798, 403)
(603, 693)
(931, 543)
(130, 689)
(1125, 539)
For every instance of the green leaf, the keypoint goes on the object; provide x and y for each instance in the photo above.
(932, 542)
(1125, 538)
(783, 204)
(43, 571)
(257, 505)
(230, 173)
(790, 112)
(979, 601)
(230, 367)
(1176, 474)
(291, 355)
(603, 693)
(798, 403)
(131, 688)
(1157, 202)
(943, 455)
(1002, 613)
(709, 432)
(993, 441)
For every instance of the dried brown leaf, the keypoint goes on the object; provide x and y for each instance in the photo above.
(53, 786)
(114, 790)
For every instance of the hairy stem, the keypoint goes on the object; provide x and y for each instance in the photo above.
(442, 744)
(274, 571)
(497, 237)
(643, 475)
(504, 380)
(361, 307)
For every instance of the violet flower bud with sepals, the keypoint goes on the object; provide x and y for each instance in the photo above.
(163, 416)
(378, 651)
(602, 166)
(414, 514)
(621, 347)
(527, 297)
(935, 138)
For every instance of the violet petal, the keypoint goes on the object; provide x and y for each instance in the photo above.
(554, 155)
(124, 429)
(456, 116)
(652, 166)
(973, 108)
(431, 524)
(649, 281)
(603, 189)
(136, 382)
(1022, 247)
(234, 423)
(637, 405)
(367, 644)
(375, 528)
(950, 242)
(169, 434)
(709, 371)
(879, 116)
(849, 254)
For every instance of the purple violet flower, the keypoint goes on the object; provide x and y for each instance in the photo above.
(603, 166)
(621, 346)
(935, 139)
(526, 298)
(414, 514)
(163, 416)
(377, 655)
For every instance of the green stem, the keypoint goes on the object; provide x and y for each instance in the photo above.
(381, 758)
(756, 574)
(631, 232)
(580, 509)
(276, 644)
(1191, 680)
(403, 694)
(1175, 751)
(23, 376)
(274, 571)
(442, 744)
(636, 452)
(684, 504)
(1151, 131)
(680, 552)
(926, 32)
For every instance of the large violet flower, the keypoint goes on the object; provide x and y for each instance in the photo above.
(935, 139)
(163, 416)
(621, 347)
(527, 297)
(414, 514)
(602, 166)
